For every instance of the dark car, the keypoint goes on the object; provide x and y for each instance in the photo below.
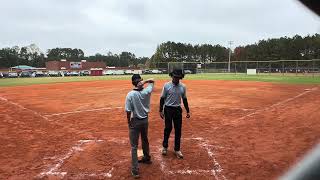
(39, 74)
(5, 74)
(84, 73)
(25, 74)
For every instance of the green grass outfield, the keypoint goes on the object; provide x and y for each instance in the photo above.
(287, 79)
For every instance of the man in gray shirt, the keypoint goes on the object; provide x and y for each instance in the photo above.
(171, 111)
(137, 107)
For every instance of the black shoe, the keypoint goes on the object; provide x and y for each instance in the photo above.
(145, 160)
(135, 174)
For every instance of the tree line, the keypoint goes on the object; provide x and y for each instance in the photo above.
(284, 48)
(32, 56)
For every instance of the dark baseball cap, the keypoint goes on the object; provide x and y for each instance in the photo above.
(135, 77)
(177, 73)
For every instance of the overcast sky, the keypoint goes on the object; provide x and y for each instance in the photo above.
(138, 26)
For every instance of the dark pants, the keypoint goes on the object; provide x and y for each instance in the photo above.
(172, 114)
(136, 127)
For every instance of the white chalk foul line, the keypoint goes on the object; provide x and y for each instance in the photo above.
(279, 103)
(80, 111)
(217, 169)
(190, 172)
(53, 170)
(24, 108)
(233, 108)
(160, 159)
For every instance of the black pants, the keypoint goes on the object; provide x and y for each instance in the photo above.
(172, 114)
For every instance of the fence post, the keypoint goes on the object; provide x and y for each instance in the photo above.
(282, 68)
(269, 67)
(246, 67)
(313, 68)
(296, 68)
(235, 67)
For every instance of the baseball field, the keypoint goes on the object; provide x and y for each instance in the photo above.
(241, 127)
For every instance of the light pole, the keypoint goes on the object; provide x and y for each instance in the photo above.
(230, 43)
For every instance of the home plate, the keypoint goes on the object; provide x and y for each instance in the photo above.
(140, 153)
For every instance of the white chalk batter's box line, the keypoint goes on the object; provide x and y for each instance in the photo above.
(53, 169)
(216, 171)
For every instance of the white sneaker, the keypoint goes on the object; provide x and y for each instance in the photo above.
(164, 151)
(179, 154)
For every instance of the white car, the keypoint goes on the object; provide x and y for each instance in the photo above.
(187, 71)
(156, 71)
(53, 73)
(118, 72)
(108, 72)
(74, 73)
(12, 75)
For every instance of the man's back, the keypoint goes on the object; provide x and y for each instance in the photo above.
(138, 101)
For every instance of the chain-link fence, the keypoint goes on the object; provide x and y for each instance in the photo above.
(284, 67)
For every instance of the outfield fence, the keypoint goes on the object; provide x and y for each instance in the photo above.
(284, 67)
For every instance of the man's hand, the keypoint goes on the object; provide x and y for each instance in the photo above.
(151, 80)
(161, 115)
(188, 115)
(130, 123)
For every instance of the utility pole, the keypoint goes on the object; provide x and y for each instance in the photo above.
(230, 43)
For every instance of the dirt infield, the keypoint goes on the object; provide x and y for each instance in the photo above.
(237, 130)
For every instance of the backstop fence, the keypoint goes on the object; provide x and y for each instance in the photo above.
(284, 67)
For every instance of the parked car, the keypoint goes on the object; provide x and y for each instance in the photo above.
(164, 71)
(65, 73)
(107, 72)
(187, 71)
(128, 72)
(118, 72)
(147, 71)
(39, 74)
(25, 74)
(5, 74)
(85, 73)
(53, 73)
(46, 74)
(74, 73)
(12, 75)
(156, 71)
